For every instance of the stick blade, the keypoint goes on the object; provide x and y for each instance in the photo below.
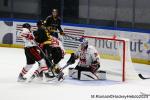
(142, 77)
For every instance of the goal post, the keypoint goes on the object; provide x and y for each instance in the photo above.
(117, 48)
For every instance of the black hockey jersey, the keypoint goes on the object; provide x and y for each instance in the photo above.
(53, 23)
(41, 35)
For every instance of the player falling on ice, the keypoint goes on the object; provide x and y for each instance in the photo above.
(89, 59)
(32, 54)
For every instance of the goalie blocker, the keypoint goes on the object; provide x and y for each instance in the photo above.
(88, 65)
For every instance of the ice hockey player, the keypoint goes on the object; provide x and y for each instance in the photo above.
(51, 46)
(89, 60)
(31, 53)
(53, 22)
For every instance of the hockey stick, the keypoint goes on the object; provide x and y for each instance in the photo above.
(65, 66)
(45, 57)
(60, 75)
(142, 77)
(96, 76)
(74, 38)
(80, 39)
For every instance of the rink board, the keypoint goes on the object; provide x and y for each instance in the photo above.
(139, 42)
(104, 56)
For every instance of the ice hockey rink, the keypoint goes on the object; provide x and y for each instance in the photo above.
(12, 60)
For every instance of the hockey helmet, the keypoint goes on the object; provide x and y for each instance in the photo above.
(26, 25)
(40, 23)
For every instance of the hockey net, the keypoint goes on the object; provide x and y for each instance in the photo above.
(115, 57)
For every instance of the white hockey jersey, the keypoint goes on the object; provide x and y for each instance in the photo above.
(57, 43)
(86, 57)
(27, 42)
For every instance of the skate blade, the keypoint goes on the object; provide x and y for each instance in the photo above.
(21, 80)
(61, 80)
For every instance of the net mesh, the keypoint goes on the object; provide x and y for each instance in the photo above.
(116, 58)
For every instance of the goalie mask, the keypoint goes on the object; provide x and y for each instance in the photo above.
(84, 43)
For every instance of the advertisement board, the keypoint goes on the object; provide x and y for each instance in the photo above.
(139, 42)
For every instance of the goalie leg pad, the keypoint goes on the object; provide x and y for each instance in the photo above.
(73, 73)
(101, 74)
(87, 75)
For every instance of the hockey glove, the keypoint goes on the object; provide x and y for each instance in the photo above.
(95, 66)
(72, 59)
(62, 33)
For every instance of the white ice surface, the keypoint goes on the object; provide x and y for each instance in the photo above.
(12, 60)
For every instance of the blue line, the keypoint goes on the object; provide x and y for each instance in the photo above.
(82, 25)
